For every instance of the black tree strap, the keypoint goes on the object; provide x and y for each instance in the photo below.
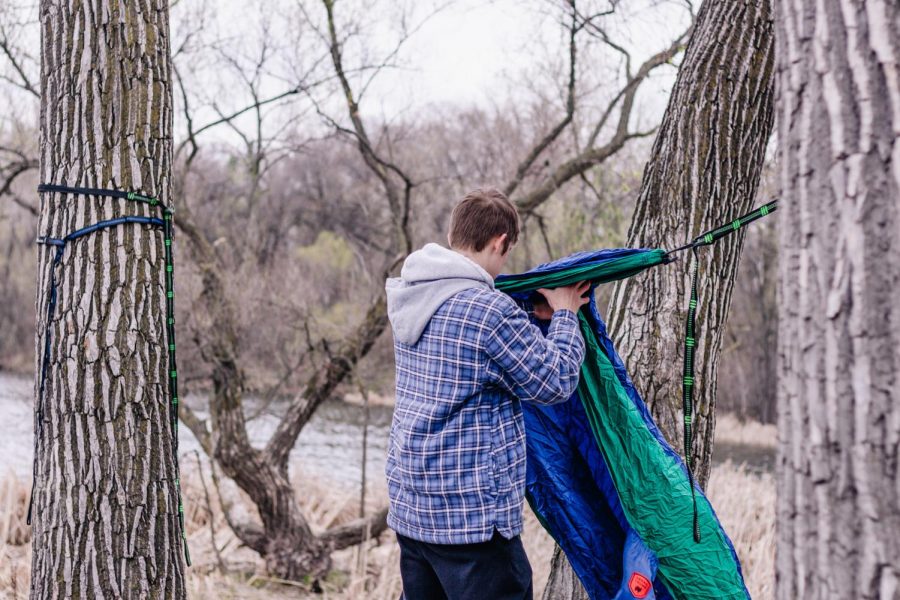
(687, 390)
(690, 339)
(165, 224)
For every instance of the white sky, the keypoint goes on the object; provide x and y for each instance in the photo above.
(471, 52)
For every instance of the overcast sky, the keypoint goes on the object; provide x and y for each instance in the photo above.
(471, 52)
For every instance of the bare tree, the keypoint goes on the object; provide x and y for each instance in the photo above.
(17, 158)
(593, 151)
(838, 513)
(703, 171)
(106, 510)
(283, 536)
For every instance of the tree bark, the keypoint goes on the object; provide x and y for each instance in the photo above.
(105, 504)
(838, 513)
(703, 171)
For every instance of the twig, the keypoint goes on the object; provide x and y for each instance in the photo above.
(209, 511)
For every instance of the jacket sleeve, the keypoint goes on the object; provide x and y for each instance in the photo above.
(534, 368)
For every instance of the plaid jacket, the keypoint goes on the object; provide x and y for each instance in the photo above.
(456, 460)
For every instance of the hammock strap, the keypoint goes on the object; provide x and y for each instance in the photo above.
(690, 339)
(164, 224)
(687, 390)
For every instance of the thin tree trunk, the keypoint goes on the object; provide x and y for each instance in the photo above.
(105, 505)
(703, 171)
(838, 517)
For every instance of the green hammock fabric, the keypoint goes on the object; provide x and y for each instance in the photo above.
(653, 489)
(603, 272)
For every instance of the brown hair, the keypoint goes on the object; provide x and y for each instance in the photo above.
(481, 216)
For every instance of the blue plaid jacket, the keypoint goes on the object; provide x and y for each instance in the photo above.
(456, 460)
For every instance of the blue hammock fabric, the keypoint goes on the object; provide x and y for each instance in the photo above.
(570, 487)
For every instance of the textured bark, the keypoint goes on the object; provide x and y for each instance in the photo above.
(563, 584)
(105, 504)
(838, 517)
(704, 171)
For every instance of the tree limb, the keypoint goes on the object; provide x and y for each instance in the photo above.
(197, 426)
(25, 84)
(398, 201)
(356, 532)
(548, 139)
(15, 170)
(227, 118)
(593, 154)
(322, 384)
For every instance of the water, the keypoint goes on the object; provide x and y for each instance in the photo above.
(758, 459)
(330, 445)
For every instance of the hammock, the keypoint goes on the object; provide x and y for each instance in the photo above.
(601, 478)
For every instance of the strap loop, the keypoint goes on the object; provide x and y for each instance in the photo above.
(166, 225)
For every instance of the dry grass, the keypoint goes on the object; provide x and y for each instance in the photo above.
(744, 502)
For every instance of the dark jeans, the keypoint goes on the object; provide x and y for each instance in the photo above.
(494, 570)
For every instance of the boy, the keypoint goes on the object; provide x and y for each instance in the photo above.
(466, 357)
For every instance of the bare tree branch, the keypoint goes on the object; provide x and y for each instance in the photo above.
(630, 89)
(251, 534)
(341, 363)
(569, 169)
(209, 514)
(197, 426)
(399, 201)
(227, 118)
(554, 133)
(593, 154)
(14, 171)
(25, 83)
(356, 532)
(322, 384)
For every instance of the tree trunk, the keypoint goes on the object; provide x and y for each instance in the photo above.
(703, 171)
(838, 517)
(105, 503)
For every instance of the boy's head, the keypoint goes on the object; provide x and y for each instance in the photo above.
(484, 226)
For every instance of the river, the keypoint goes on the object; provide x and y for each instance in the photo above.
(329, 446)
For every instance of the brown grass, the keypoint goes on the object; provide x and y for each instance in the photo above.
(744, 502)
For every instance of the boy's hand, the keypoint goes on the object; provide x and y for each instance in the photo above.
(542, 310)
(571, 297)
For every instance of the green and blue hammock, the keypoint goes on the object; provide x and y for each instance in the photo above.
(601, 478)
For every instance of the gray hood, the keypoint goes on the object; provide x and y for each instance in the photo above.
(429, 277)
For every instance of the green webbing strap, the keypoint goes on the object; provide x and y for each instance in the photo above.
(687, 390)
(714, 235)
(173, 370)
(690, 340)
(166, 224)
